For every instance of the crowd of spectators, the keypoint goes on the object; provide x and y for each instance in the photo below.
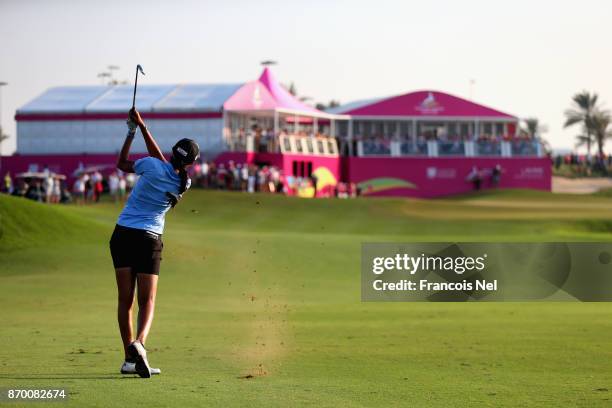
(448, 145)
(238, 176)
(478, 177)
(575, 165)
(44, 187)
(88, 187)
(265, 179)
(52, 188)
(264, 140)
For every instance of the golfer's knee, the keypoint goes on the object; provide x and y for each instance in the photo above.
(146, 301)
(125, 303)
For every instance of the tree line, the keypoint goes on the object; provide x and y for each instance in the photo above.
(586, 112)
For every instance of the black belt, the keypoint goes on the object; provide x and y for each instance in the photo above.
(150, 234)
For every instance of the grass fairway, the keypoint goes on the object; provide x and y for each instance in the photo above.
(259, 305)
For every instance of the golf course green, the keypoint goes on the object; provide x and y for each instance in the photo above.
(259, 305)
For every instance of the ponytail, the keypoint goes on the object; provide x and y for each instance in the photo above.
(184, 179)
(173, 199)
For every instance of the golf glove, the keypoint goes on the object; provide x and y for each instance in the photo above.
(132, 126)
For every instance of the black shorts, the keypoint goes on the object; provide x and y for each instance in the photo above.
(137, 249)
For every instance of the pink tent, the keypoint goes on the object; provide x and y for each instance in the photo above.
(427, 104)
(267, 94)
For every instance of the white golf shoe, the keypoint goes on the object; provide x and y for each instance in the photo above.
(137, 351)
(130, 368)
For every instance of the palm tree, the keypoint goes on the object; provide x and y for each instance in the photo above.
(584, 140)
(532, 127)
(600, 122)
(585, 105)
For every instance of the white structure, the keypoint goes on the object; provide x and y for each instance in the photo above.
(91, 119)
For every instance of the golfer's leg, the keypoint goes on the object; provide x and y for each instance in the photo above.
(126, 283)
(147, 289)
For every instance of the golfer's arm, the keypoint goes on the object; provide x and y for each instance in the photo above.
(122, 161)
(152, 147)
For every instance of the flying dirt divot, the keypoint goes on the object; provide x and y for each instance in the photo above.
(266, 339)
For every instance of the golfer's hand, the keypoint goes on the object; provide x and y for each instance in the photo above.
(135, 117)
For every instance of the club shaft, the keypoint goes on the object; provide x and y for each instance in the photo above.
(135, 85)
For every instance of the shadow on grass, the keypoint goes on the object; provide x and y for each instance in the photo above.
(69, 376)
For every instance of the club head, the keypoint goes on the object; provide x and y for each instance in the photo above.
(139, 68)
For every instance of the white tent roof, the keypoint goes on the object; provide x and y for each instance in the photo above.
(64, 99)
(352, 105)
(197, 97)
(118, 98)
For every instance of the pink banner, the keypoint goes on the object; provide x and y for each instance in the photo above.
(435, 177)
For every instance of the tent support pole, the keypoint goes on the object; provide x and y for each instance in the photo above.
(276, 132)
(414, 135)
(350, 137)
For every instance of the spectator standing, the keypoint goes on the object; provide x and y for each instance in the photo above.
(113, 186)
(57, 191)
(496, 175)
(313, 181)
(122, 187)
(8, 183)
(204, 174)
(79, 190)
(96, 181)
(88, 187)
(251, 181)
(244, 176)
(474, 178)
(221, 174)
(35, 191)
(236, 177)
(48, 186)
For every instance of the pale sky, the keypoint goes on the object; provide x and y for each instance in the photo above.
(528, 57)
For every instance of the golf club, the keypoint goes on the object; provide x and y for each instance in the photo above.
(138, 68)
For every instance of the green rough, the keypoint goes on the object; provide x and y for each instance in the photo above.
(259, 305)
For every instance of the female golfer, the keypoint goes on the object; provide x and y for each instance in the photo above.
(136, 243)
